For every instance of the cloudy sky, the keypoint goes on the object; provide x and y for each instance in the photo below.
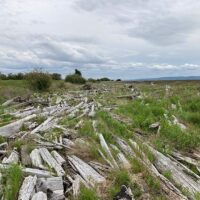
(126, 39)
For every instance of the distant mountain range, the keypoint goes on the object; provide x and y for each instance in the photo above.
(175, 78)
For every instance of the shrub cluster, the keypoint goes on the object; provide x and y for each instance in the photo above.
(39, 80)
(75, 78)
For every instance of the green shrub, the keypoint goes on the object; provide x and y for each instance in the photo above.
(75, 78)
(11, 181)
(38, 80)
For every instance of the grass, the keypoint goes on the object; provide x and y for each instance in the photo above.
(87, 194)
(6, 119)
(167, 174)
(118, 178)
(11, 182)
(109, 127)
(12, 88)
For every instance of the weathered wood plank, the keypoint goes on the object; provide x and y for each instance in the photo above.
(28, 188)
(48, 158)
(91, 176)
(14, 127)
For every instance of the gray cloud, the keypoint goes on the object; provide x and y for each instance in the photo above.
(114, 38)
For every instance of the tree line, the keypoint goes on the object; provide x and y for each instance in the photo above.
(21, 76)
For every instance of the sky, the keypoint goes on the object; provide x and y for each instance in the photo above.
(127, 39)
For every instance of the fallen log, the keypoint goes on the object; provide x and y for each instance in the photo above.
(36, 159)
(28, 188)
(168, 188)
(181, 175)
(186, 159)
(37, 172)
(44, 126)
(107, 150)
(124, 163)
(91, 176)
(48, 158)
(30, 171)
(60, 160)
(14, 127)
(12, 159)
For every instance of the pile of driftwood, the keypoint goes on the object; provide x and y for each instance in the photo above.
(49, 174)
(52, 173)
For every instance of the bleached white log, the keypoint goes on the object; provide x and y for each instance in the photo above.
(178, 175)
(39, 196)
(12, 159)
(60, 160)
(27, 113)
(124, 147)
(91, 176)
(14, 127)
(36, 159)
(124, 163)
(92, 112)
(41, 126)
(28, 188)
(37, 172)
(168, 188)
(103, 156)
(48, 158)
(30, 171)
(107, 150)
(8, 102)
(186, 159)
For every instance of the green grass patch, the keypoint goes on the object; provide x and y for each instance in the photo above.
(11, 182)
(87, 194)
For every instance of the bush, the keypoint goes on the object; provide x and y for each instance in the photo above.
(56, 76)
(75, 78)
(38, 80)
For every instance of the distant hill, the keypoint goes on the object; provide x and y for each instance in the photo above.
(175, 78)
